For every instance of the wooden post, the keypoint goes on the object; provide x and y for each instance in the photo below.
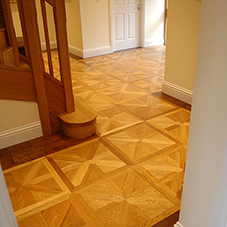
(32, 34)
(43, 7)
(10, 30)
(62, 42)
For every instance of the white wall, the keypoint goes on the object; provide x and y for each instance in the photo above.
(19, 122)
(154, 22)
(74, 30)
(16, 20)
(208, 129)
(181, 48)
(95, 27)
(6, 210)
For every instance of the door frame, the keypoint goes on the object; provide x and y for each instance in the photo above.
(141, 24)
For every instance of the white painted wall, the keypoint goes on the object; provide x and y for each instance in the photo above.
(16, 19)
(208, 129)
(95, 23)
(154, 22)
(19, 122)
(181, 48)
(7, 218)
(74, 30)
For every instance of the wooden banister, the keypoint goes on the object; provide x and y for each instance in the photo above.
(62, 42)
(53, 96)
(23, 27)
(1, 55)
(10, 30)
(51, 2)
(50, 64)
(32, 33)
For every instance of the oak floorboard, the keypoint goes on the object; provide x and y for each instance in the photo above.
(129, 174)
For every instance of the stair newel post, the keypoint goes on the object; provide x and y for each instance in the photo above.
(36, 59)
(62, 42)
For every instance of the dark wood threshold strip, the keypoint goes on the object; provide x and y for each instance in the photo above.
(169, 221)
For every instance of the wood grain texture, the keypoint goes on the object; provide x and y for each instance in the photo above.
(56, 100)
(62, 42)
(81, 123)
(10, 31)
(17, 84)
(131, 175)
(33, 40)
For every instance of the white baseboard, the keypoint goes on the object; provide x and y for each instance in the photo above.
(20, 134)
(153, 42)
(177, 92)
(76, 51)
(97, 51)
(53, 45)
(82, 53)
(178, 224)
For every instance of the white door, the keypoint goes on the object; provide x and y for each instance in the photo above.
(125, 24)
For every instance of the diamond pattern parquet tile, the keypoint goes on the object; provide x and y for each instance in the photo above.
(113, 119)
(34, 185)
(147, 106)
(62, 214)
(96, 101)
(151, 85)
(169, 169)
(84, 163)
(131, 176)
(101, 81)
(121, 93)
(139, 142)
(127, 200)
(175, 123)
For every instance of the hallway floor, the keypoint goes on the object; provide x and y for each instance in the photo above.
(131, 173)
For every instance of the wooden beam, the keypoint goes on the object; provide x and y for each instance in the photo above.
(63, 51)
(32, 33)
(43, 7)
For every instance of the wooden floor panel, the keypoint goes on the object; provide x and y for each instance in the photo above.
(130, 174)
(175, 123)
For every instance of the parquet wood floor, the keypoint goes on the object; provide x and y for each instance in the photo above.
(130, 174)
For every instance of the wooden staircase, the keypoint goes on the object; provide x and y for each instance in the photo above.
(57, 108)
(6, 51)
(81, 123)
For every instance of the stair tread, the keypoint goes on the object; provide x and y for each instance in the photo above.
(83, 113)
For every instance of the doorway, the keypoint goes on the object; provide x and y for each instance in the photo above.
(125, 16)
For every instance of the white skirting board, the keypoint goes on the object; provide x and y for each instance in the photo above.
(53, 45)
(153, 42)
(177, 92)
(178, 224)
(76, 51)
(82, 53)
(20, 134)
(97, 51)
